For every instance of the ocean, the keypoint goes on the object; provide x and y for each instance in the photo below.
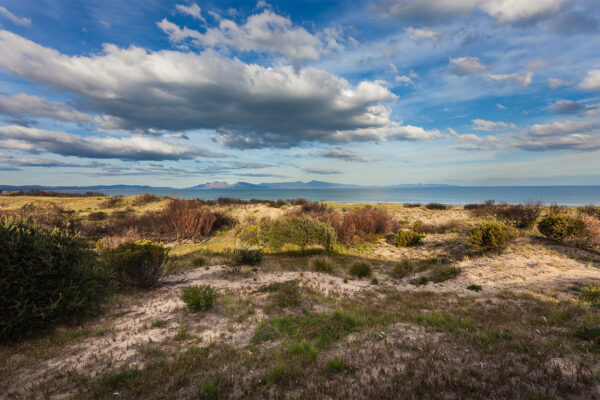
(459, 195)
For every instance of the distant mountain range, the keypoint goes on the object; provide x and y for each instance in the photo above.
(220, 185)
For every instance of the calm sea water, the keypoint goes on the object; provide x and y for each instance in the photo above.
(564, 195)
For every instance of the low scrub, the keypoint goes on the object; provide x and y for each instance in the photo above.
(360, 224)
(247, 256)
(560, 227)
(408, 239)
(519, 215)
(46, 278)
(443, 274)
(199, 298)
(492, 236)
(145, 199)
(322, 264)
(360, 269)
(287, 294)
(301, 232)
(142, 264)
(436, 206)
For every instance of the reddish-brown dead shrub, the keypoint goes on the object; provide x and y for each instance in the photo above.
(590, 238)
(359, 224)
(145, 199)
(484, 209)
(519, 215)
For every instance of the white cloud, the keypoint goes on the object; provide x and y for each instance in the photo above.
(500, 106)
(488, 126)
(404, 80)
(591, 81)
(249, 106)
(320, 171)
(192, 10)
(22, 104)
(524, 79)
(264, 32)
(557, 82)
(12, 17)
(417, 34)
(462, 66)
(68, 144)
(559, 135)
(434, 11)
(514, 10)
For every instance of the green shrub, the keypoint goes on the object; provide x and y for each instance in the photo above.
(559, 227)
(249, 235)
(403, 268)
(360, 269)
(443, 274)
(335, 364)
(321, 265)
(244, 256)
(491, 235)
(302, 232)
(46, 278)
(408, 238)
(139, 263)
(420, 281)
(475, 288)
(199, 261)
(199, 298)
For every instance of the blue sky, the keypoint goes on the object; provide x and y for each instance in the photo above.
(469, 92)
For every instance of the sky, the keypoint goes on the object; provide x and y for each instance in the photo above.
(374, 92)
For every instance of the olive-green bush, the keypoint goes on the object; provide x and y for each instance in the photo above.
(142, 264)
(298, 231)
(249, 235)
(560, 227)
(247, 256)
(360, 269)
(492, 235)
(408, 238)
(46, 278)
(199, 298)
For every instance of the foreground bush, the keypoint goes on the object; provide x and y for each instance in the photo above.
(559, 227)
(360, 269)
(139, 263)
(301, 232)
(242, 256)
(519, 215)
(199, 298)
(46, 278)
(361, 223)
(491, 235)
(408, 238)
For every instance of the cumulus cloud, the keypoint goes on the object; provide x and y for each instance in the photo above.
(515, 10)
(524, 79)
(436, 11)
(340, 154)
(68, 144)
(462, 66)
(191, 10)
(264, 32)
(13, 18)
(591, 81)
(417, 34)
(20, 105)
(572, 107)
(489, 126)
(249, 106)
(559, 135)
(425, 11)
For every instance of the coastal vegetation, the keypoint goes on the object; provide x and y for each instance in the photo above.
(149, 297)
